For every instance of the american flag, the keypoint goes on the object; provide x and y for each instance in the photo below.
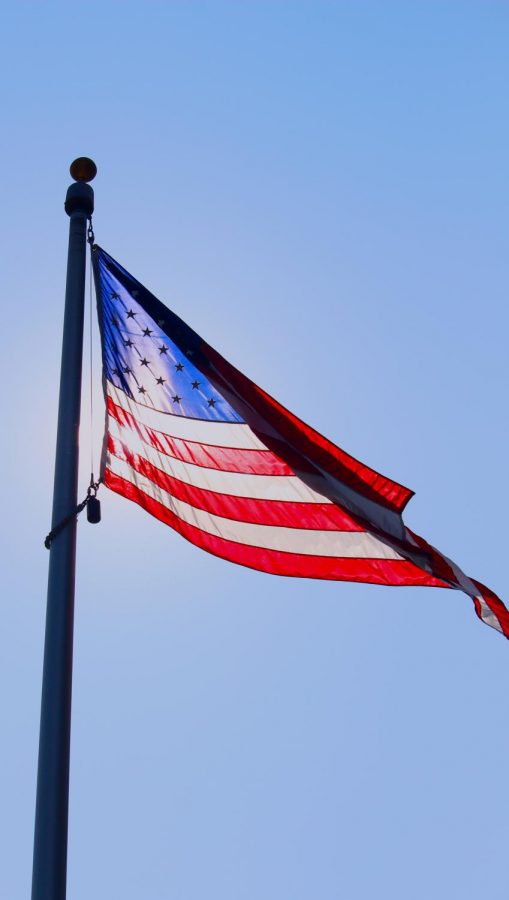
(205, 450)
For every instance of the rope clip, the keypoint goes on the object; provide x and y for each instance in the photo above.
(93, 487)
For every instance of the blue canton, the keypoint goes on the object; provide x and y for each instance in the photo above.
(141, 360)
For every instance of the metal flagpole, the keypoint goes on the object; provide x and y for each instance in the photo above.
(51, 812)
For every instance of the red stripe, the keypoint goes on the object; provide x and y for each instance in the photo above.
(495, 604)
(442, 569)
(315, 516)
(375, 571)
(301, 437)
(440, 566)
(227, 459)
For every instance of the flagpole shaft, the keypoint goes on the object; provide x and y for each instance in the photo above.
(51, 815)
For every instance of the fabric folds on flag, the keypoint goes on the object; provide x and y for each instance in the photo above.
(205, 450)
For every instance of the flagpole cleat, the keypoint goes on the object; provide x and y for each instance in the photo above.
(93, 510)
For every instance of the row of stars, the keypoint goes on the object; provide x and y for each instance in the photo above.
(142, 390)
(178, 367)
(163, 349)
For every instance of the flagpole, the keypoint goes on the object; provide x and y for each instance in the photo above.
(49, 872)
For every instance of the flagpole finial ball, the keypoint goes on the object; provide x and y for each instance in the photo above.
(83, 169)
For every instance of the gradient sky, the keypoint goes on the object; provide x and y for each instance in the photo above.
(320, 190)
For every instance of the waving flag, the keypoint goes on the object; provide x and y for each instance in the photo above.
(205, 450)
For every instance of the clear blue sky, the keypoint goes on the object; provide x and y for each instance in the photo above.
(320, 189)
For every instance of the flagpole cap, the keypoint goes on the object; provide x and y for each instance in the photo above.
(83, 169)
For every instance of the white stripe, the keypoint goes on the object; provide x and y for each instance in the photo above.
(218, 434)
(488, 616)
(337, 544)
(467, 585)
(259, 487)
